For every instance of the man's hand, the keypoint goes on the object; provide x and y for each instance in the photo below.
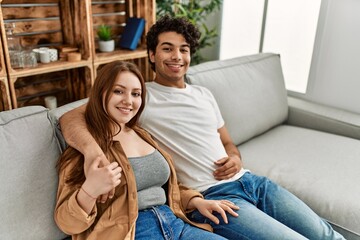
(207, 207)
(103, 161)
(227, 167)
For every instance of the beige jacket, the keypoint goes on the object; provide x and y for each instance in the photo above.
(116, 218)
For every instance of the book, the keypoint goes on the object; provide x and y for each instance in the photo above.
(132, 33)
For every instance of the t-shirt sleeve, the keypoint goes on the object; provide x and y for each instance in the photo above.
(220, 120)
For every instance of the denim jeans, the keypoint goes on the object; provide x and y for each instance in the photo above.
(161, 223)
(267, 211)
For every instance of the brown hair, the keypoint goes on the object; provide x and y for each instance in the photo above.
(100, 124)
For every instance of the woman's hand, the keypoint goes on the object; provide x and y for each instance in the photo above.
(101, 179)
(207, 207)
(90, 158)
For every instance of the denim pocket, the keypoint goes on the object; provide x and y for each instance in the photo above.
(249, 188)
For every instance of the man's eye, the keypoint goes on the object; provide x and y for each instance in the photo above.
(167, 49)
(184, 50)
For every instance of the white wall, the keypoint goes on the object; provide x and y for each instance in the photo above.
(241, 27)
(335, 71)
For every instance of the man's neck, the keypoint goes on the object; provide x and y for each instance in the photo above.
(174, 84)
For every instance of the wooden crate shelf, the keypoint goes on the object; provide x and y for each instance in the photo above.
(59, 23)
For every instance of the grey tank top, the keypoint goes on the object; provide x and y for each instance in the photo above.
(151, 172)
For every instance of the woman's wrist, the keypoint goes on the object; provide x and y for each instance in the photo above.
(88, 194)
(193, 202)
(85, 200)
(88, 190)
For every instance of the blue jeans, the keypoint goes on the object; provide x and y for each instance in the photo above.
(161, 223)
(267, 211)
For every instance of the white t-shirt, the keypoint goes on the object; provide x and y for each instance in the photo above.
(184, 121)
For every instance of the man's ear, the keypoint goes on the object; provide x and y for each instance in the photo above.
(152, 56)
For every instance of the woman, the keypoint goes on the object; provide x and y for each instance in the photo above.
(147, 203)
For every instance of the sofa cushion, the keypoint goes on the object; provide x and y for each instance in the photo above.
(320, 168)
(250, 92)
(29, 151)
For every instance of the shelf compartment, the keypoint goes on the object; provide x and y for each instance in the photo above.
(67, 85)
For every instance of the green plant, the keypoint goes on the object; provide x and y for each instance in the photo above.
(104, 32)
(197, 12)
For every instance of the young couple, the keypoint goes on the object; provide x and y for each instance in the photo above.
(116, 182)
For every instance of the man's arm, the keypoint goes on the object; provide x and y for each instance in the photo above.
(228, 167)
(76, 134)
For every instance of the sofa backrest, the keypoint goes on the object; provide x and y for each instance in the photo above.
(29, 150)
(250, 92)
(55, 115)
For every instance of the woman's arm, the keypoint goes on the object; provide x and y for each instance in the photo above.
(69, 216)
(76, 208)
(192, 200)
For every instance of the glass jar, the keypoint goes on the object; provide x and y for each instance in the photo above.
(14, 46)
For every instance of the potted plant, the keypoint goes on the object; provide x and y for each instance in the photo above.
(106, 43)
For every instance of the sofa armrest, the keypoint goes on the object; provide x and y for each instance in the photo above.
(311, 115)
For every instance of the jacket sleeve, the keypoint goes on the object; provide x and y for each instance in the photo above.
(186, 195)
(69, 216)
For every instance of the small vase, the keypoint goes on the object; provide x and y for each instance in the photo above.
(107, 46)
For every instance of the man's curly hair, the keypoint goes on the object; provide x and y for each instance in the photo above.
(179, 25)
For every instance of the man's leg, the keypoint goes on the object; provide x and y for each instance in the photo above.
(267, 211)
(286, 208)
(250, 224)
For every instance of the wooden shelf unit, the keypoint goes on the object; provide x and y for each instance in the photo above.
(41, 23)
(57, 23)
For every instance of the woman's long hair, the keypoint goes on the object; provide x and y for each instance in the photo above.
(99, 123)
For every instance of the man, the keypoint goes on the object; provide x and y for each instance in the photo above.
(186, 121)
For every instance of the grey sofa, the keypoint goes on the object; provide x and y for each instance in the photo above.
(312, 150)
(30, 144)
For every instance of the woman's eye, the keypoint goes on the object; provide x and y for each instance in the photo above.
(136, 94)
(117, 91)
